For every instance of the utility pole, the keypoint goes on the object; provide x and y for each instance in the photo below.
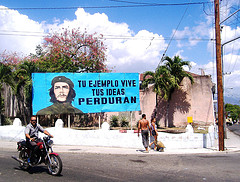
(219, 77)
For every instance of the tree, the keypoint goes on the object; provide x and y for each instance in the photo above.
(5, 77)
(22, 88)
(233, 111)
(161, 79)
(71, 51)
(175, 66)
(166, 78)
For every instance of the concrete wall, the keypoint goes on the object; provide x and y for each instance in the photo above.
(194, 101)
(147, 106)
(113, 138)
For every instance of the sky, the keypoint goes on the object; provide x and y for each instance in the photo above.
(136, 32)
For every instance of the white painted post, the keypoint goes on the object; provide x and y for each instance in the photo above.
(131, 118)
(69, 121)
(99, 122)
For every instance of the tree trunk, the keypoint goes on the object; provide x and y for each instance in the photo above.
(166, 118)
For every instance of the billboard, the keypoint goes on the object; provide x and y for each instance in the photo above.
(62, 93)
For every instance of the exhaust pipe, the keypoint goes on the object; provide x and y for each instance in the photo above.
(17, 159)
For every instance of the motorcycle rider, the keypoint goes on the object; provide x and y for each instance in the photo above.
(31, 133)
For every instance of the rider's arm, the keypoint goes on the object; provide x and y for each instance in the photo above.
(28, 136)
(47, 133)
(44, 131)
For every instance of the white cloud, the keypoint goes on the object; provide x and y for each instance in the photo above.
(229, 34)
(15, 32)
(179, 53)
(231, 63)
(126, 51)
(194, 34)
(139, 53)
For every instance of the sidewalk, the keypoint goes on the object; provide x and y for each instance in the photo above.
(232, 144)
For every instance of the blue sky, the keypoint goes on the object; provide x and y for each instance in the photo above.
(150, 29)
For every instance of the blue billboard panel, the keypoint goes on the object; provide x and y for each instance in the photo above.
(62, 93)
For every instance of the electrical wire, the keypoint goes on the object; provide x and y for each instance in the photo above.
(235, 32)
(164, 53)
(106, 7)
(42, 34)
(204, 10)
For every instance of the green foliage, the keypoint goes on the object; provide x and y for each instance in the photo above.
(124, 122)
(167, 77)
(1, 105)
(7, 121)
(114, 121)
(232, 111)
(5, 77)
(69, 51)
(175, 66)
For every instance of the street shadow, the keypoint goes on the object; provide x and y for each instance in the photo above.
(137, 161)
(35, 170)
(140, 150)
(143, 151)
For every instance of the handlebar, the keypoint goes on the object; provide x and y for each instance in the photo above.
(47, 137)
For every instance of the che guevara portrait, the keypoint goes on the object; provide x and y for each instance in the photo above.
(62, 95)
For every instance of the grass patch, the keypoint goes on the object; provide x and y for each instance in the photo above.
(174, 130)
(202, 131)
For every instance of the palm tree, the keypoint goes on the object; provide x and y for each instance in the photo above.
(23, 87)
(166, 78)
(161, 79)
(5, 77)
(175, 66)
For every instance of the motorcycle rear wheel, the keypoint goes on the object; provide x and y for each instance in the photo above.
(55, 168)
(23, 156)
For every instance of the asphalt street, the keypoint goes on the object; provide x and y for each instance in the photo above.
(118, 164)
(116, 167)
(235, 128)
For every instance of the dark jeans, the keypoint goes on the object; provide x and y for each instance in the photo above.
(145, 138)
(33, 147)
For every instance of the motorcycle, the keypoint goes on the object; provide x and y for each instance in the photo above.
(43, 154)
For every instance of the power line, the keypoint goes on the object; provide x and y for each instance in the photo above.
(105, 7)
(21, 33)
(30, 35)
(143, 3)
(173, 36)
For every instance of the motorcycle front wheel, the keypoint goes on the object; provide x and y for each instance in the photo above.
(55, 166)
(24, 156)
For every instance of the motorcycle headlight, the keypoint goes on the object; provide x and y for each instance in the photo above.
(50, 143)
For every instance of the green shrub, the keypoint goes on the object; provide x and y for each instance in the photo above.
(7, 121)
(114, 121)
(124, 122)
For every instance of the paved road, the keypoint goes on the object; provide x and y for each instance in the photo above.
(115, 167)
(235, 128)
